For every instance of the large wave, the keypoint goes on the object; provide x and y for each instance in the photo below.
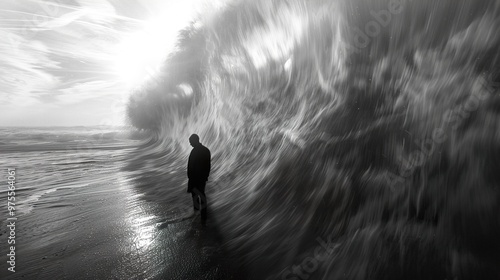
(370, 124)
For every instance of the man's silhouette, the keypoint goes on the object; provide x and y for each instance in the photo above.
(198, 171)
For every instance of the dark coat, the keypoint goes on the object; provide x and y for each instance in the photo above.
(199, 165)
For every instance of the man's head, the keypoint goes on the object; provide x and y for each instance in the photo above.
(194, 140)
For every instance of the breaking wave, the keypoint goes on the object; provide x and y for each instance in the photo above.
(374, 124)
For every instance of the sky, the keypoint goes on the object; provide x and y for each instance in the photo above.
(75, 62)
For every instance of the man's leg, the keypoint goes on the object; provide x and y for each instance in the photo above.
(194, 195)
(203, 205)
(196, 203)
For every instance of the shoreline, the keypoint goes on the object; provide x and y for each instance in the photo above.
(107, 231)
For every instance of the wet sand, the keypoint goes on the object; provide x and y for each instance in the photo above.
(108, 232)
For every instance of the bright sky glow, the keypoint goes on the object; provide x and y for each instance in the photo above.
(138, 55)
(76, 64)
(142, 53)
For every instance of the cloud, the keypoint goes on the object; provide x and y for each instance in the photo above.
(56, 54)
(22, 69)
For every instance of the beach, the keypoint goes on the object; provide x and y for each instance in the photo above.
(97, 225)
(108, 232)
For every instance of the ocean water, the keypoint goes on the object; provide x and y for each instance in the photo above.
(51, 159)
(350, 139)
(369, 125)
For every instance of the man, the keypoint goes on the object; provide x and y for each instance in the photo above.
(198, 171)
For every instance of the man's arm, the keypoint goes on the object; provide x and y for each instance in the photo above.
(208, 163)
(190, 166)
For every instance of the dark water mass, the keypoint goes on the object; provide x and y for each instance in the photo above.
(350, 139)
